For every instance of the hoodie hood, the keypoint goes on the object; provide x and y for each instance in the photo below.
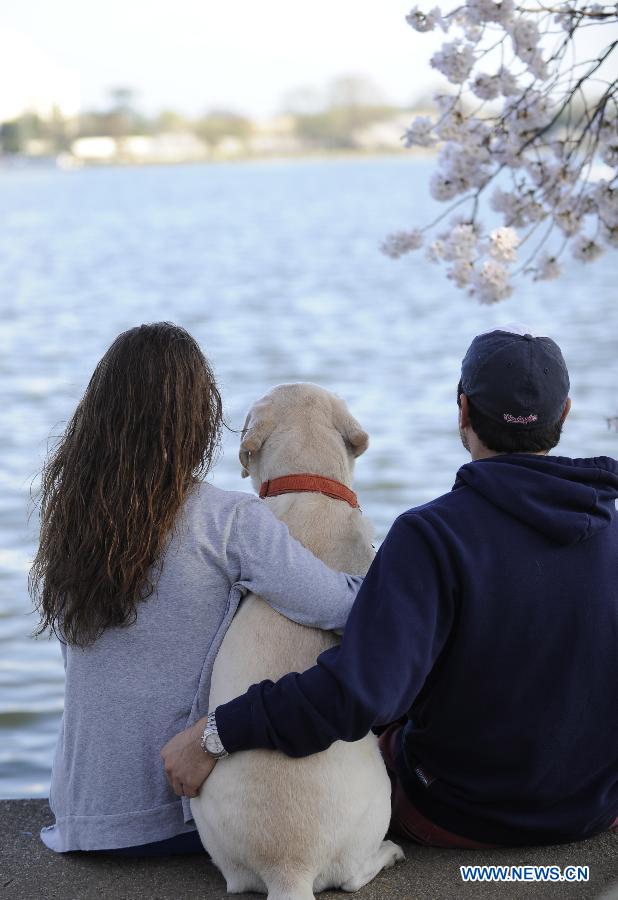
(567, 500)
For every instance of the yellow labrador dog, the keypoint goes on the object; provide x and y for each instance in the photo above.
(290, 827)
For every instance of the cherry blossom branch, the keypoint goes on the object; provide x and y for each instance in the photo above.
(537, 120)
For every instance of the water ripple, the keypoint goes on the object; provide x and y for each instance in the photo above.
(275, 270)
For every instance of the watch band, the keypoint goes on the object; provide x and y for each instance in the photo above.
(211, 743)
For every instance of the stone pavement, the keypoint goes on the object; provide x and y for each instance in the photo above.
(29, 871)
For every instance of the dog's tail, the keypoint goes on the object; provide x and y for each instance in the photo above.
(290, 887)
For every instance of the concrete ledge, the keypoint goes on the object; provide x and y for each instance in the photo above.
(29, 871)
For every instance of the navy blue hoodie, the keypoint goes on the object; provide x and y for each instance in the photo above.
(490, 617)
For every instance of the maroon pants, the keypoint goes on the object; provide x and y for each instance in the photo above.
(407, 821)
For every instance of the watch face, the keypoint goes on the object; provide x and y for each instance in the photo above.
(213, 744)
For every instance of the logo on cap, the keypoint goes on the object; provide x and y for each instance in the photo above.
(520, 420)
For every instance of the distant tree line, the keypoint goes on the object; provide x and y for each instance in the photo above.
(330, 118)
(16, 134)
(320, 119)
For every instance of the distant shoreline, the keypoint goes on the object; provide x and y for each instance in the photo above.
(66, 162)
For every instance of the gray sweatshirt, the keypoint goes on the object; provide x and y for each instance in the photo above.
(132, 690)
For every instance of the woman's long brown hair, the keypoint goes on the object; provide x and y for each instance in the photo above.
(147, 427)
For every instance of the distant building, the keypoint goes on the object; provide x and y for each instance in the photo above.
(172, 147)
(274, 136)
(230, 147)
(94, 149)
(384, 135)
(38, 147)
(178, 146)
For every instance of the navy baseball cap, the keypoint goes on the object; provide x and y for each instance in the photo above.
(515, 377)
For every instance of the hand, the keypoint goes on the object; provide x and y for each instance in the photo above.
(186, 765)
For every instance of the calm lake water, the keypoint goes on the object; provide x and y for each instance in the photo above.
(275, 268)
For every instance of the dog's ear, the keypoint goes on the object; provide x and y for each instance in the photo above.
(351, 431)
(258, 425)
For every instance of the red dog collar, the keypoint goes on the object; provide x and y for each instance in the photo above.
(316, 484)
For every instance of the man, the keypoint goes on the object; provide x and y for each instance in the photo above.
(489, 619)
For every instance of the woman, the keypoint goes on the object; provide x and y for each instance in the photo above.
(140, 568)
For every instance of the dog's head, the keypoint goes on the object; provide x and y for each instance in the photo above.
(300, 428)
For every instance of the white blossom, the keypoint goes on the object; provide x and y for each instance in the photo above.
(609, 154)
(455, 60)
(505, 148)
(435, 251)
(491, 282)
(475, 133)
(560, 194)
(610, 234)
(519, 209)
(608, 136)
(539, 67)
(508, 83)
(606, 199)
(531, 210)
(489, 11)
(451, 125)
(525, 37)
(460, 243)
(464, 167)
(473, 33)
(541, 169)
(586, 249)
(536, 112)
(461, 272)
(585, 205)
(556, 180)
(547, 268)
(557, 148)
(443, 188)
(446, 103)
(487, 87)
(510, 204)
(420, 133)
(564, 16)
(503, 244)
(567, 219)
(608, 132)
(421, 21)
(458, 220)
(402, 242)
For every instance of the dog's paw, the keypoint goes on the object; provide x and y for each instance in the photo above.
(385, 856)
(394, 853)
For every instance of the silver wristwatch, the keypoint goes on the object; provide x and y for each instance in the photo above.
(211, 742)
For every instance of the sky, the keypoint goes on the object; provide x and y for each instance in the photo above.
(192, 55)
(196, 55)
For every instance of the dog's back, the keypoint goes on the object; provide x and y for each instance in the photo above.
(292, 826)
